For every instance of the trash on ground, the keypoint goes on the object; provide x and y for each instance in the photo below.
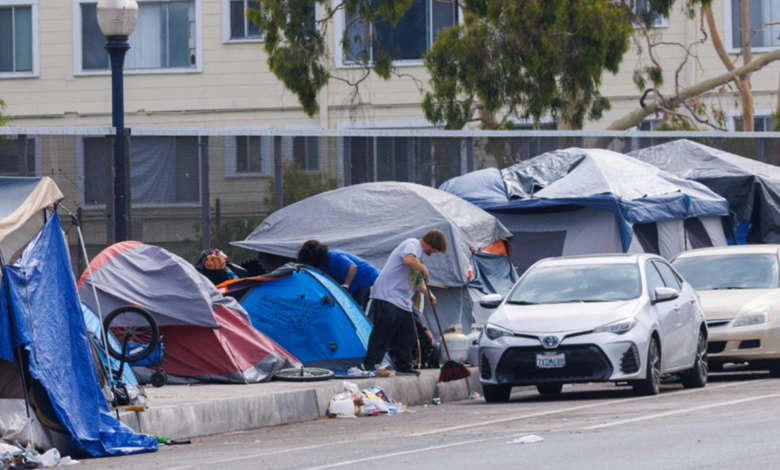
(353, 402)
(476, 396)
(17, 457)
(436, 401)
(529, 439)
(358, 372)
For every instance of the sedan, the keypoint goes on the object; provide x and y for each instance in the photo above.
(624, 318)
(739, 287)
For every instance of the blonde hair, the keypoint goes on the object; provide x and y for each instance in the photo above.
(436, 239)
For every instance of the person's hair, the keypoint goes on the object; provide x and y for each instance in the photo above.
(436, 239)
(312, 253)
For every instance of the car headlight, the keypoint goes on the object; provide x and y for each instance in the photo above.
(755, 316)
(619, 327)
(494, 332)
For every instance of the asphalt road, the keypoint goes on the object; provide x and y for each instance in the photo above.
(731, 423)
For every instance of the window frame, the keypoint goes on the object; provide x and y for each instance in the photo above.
(79, 71)
(231, 152)
(340, 22)
(36, 70)
(729, 36)
(37, 146)
(659, 21)
(226, 27)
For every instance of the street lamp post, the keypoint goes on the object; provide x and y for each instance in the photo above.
(117, 20)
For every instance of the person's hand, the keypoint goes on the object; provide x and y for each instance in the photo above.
(425, 274)
(432, 298)
(345, 286)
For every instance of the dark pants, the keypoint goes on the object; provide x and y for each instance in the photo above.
(393, 328)
(360, 297)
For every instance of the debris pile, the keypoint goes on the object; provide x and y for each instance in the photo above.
(372, 401)
(17, 457)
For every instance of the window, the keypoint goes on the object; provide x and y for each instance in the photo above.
(163, 170)
(248, 155)
(668, 275)
(406, 41)
(18, 38)
(306, 151)
(760, 124)
(762, 12)
(642, 9)
(164, 38)
(240, 27)
(17, 156)
(654, 279)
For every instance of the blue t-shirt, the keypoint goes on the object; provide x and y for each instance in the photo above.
(340, 261)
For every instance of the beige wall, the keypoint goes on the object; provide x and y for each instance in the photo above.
(235, 87)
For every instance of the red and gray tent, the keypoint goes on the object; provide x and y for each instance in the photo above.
(208, 337)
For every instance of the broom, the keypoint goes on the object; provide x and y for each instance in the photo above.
(451, 370)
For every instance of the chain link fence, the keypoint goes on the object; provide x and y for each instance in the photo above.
(195, 189)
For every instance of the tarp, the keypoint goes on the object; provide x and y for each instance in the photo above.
(307, 313)
(635, 192)
(208, 337)
(22, 201)
(40, 294)
(370, 220)
(752, 188)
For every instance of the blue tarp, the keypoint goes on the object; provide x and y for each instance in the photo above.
(41, 295)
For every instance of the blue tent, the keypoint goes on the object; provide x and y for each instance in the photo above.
(307, 313)
(580, 185)
(42, 327)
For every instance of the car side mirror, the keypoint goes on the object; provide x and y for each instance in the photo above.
(662, 294)
(491, 300)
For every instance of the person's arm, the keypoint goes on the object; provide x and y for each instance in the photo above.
(413, 263)
(351, 271)
(423, 287)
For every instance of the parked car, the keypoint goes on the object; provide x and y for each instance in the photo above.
(739, 288)
(598, 318)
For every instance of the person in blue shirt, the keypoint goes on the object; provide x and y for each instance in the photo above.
(355, 274)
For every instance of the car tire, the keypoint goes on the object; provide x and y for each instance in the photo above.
(774, 368)
(496, 393)
(549, 389)
(651, 384)
(696, 377)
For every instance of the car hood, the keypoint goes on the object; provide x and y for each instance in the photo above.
(726, 304)
(555, 318)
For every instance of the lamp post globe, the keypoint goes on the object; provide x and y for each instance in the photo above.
(117, 20)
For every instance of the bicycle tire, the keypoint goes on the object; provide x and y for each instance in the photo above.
(303, 374)
(132, 324)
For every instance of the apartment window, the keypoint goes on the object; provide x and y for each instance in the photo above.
(406, 41)
(240, 26)
(248, 155)
(17, 156)
(306, 151)
(163, 170)
(642, 10)
(164, 38)
(18, 38)
(762, 12)
(760, 124)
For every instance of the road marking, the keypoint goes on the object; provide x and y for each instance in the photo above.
(677, 412)
(252, 456)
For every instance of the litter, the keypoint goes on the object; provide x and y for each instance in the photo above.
(476, 396)
(372, 401)
(358, 372)
(529, 439)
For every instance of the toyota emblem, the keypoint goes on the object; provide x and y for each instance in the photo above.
(550, 342)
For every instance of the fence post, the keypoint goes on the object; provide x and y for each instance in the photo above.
(205, 193)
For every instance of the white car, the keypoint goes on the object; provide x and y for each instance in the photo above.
(620, 318)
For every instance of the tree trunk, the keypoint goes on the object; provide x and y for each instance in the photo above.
(746, 92)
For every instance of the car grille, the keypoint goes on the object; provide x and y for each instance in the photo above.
(750, 344)
(629, 363)
(584, 363)
(484, 367)
(715, 347)
(717, 323)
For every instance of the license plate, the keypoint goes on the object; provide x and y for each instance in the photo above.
(550, 361)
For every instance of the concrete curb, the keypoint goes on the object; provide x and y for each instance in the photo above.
(182, 412)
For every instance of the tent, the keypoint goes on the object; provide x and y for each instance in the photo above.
(307, 313)
(582, 201)
(45, 358)
(370, 220)
(752, 188)
(208, 337)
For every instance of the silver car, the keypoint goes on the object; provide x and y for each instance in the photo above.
(621, 318)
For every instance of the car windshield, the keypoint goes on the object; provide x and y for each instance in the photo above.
(577, 283)
(737, 271)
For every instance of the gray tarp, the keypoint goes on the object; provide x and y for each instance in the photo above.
(752, 188)
(371, 219)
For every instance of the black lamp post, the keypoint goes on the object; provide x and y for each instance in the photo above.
(117, 20)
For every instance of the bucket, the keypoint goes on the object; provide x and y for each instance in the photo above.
(458, 345)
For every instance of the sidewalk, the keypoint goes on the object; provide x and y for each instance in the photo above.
(181, 412)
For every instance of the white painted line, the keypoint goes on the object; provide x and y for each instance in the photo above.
(253, 456)
(677, 412)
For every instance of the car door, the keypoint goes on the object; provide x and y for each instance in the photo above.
(665, 315)
(684, 307)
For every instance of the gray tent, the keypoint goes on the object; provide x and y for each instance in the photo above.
(371, 219)
(752, 188)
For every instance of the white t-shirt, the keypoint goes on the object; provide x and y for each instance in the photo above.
(396, 282)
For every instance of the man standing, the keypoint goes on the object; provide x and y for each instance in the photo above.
(391, 306)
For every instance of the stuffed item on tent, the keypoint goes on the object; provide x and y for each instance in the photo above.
(208, 337)
(307, 313)
(43, 337)
(370, 220)
(585, 201)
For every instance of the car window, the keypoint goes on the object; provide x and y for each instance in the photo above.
(734, 271)
(668, 275)
(577, 283)
(654, 278)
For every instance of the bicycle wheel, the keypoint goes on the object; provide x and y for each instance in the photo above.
(303, 374)
(135, 331)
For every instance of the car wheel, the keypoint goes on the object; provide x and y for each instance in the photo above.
(549, 389)
(496, 393)
(696, 377)
(774, 368)
(651, 384)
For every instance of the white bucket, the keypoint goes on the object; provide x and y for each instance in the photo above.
(458, 345)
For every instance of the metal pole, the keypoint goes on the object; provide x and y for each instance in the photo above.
(117, 47)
